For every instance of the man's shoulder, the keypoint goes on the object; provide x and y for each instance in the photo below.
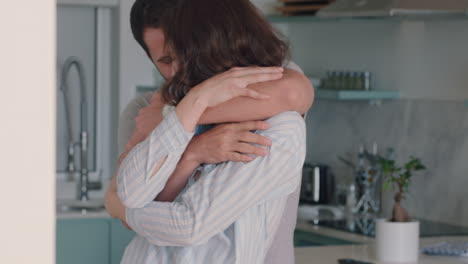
(141, 100)
(134, 105)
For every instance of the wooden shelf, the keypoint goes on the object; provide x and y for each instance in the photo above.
(356, 95)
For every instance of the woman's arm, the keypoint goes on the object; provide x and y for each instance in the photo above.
(293, 92)
(283, 93)
(147, 167)
(225, 142)
(224, 194)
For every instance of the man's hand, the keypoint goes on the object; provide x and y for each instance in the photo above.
(150, 116)
(114, 207)
(228, 142)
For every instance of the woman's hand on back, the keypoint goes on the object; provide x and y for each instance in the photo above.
(228, 142)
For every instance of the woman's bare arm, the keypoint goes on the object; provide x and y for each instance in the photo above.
(293, 92)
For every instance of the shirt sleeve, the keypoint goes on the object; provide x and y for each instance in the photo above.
(220, 197)
(136, 186)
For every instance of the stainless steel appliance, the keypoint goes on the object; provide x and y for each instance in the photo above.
(317, 184)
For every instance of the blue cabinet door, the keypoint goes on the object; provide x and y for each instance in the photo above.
(120, 237)
(83, 241)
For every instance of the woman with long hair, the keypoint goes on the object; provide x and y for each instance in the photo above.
(231, 213)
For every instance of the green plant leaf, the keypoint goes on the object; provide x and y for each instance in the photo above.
(385, 185)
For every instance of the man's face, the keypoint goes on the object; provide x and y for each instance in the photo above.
(162, 56)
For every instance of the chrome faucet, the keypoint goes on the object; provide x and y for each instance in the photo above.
(82, 193)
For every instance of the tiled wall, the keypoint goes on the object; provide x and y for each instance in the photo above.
(427, 61)
(435, 131)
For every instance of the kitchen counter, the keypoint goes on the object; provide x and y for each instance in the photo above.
(101, 214)
(365, 250)
(362, 250)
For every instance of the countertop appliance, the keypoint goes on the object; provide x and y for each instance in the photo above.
(317, 184)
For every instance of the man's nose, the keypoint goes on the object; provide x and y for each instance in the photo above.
(174, 69)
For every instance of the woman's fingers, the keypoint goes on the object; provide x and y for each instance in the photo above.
(242, 71)
(235, 156)
(244, 81)
(252, 125)
(261, 77)
(253, 138)
(252, 94)
(233, 83)
(247, 148)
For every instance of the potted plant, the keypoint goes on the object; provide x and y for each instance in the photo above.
(398, 238)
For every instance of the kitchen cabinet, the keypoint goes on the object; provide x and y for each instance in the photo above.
(103, 240)
(304, 238)
(91, 241)
(82, 241)
(120, 237)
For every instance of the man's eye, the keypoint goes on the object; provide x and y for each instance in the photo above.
(167, 60)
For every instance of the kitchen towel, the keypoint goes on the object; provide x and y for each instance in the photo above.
(447, 249)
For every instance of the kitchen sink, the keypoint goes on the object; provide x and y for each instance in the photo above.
(69, 205)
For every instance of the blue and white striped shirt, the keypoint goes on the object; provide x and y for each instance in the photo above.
(230, 215)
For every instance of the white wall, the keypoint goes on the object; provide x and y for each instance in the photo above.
(27, 134)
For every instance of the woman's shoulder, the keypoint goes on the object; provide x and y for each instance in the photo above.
(290, 124)
(287, 129)
(288, 117)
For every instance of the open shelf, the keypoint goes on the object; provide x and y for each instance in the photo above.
(356, 95)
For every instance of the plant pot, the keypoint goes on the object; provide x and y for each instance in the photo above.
(397, 242)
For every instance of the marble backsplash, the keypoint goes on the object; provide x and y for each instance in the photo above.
(435, 131)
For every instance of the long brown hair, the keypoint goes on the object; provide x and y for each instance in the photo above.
(208, 37)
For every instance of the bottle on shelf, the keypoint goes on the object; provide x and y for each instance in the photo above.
(367, 80)
(346, 80)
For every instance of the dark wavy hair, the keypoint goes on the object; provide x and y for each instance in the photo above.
(208, 37)
(149, 13)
